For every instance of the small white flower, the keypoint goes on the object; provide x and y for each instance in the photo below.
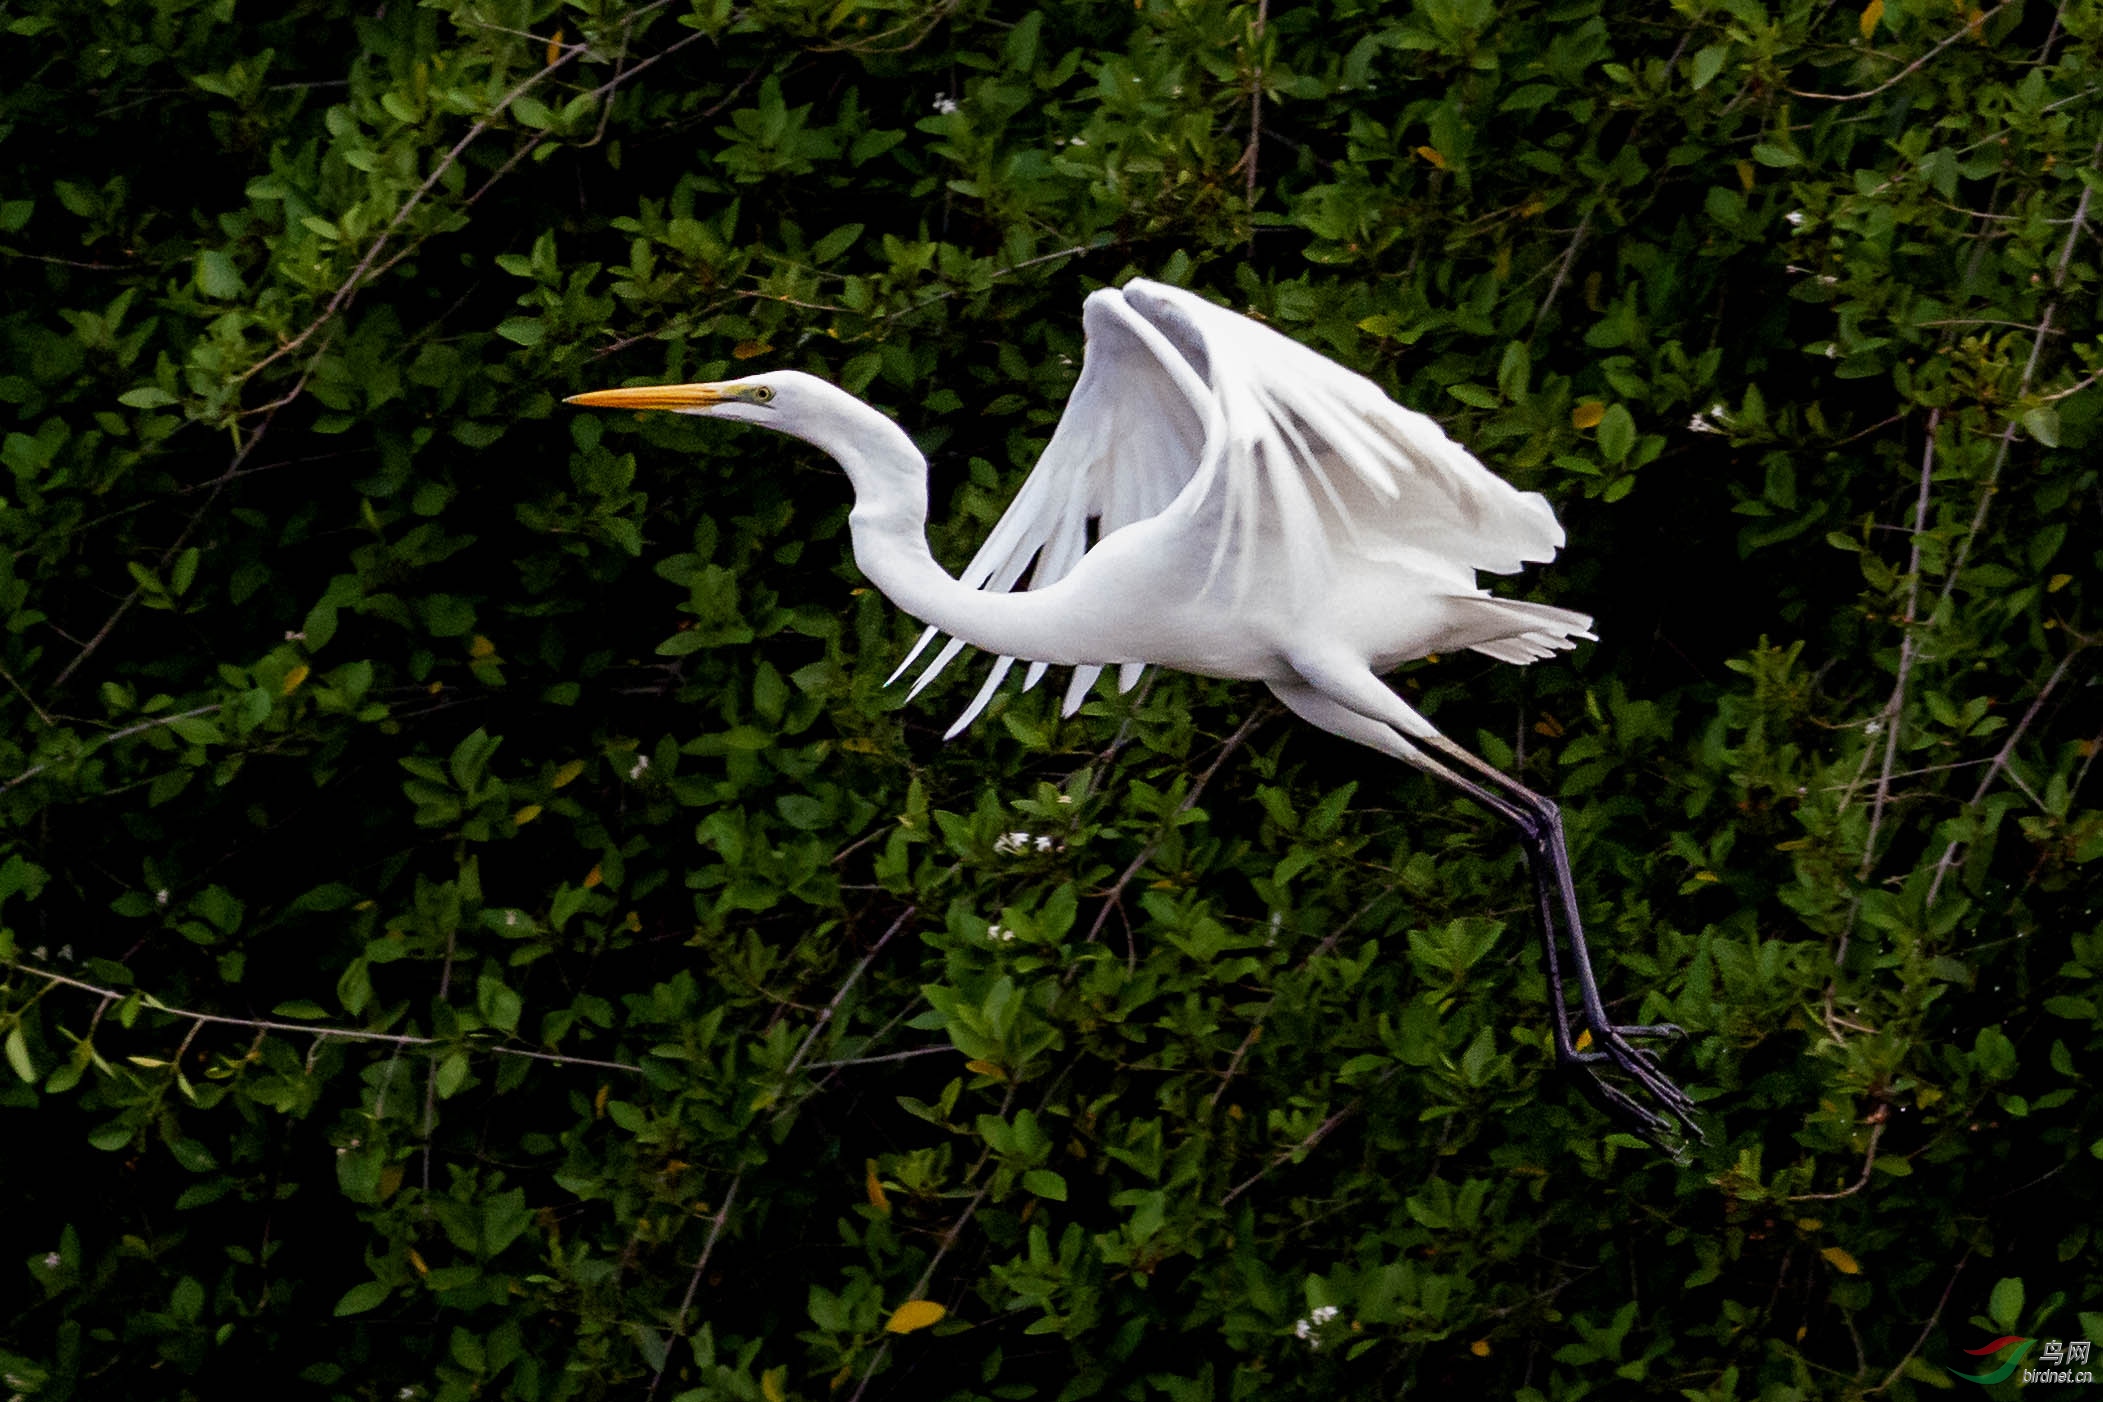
(1310, 1327)
(1795, 216)
(1698, 424)
(1828, 280)
(53, 1261)
(1044, 844)
(510, 918)
(945, 104)
(1832, 352)
(1009, 843)
(642, 765)
(292, 636)
(1875, 727)
(1076, 141)
(1066, 798)
(999, 934)
(160, 897)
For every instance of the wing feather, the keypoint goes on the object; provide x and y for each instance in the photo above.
(1286, 456)
(1386, 481)
(1132, 435)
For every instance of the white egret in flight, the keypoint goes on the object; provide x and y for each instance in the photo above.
(1258, 512)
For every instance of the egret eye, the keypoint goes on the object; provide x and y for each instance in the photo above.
(760, 394)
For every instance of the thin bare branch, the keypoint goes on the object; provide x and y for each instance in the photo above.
(301, 1029)
(1971, 25)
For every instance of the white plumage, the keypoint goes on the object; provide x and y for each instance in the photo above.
(1220, 499)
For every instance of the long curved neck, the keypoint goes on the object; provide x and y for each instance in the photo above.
(889, 529)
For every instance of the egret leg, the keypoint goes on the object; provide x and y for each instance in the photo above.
(1369, 713)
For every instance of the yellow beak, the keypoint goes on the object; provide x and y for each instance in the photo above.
(653, 397)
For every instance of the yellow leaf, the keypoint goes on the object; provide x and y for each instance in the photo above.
(435, 687)
(1587, 414)
(986, 1068)
(1706, 876)
(2058, 582)
(1871, 13)
(1235, 1112)
(1549, 726)
(294, 677)
(526, 815)
(1842, 1262)
(1809, 1224)
(634, 923)
(860, 745)
(555, 49)
(481, 647)
(745, 350)
(592, 877)
(1745, 175)
(598, 1102)
(914, 1314)
(1431, 154)
(875, 1189)
(770, 1383)
(418, 1262)
(567, 773)
(1584, 1038)
(1480, 1348)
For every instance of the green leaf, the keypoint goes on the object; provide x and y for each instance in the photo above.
(2043, 425)
(1706, 64)
(2006, 1302)
(1617, 433)
(146, 397)
(18, 1056)
(525, 330)
(361, 1298)
(217, 277)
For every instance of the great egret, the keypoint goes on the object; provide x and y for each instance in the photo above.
(1258, 512)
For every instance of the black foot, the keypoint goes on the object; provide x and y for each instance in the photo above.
(1614, 1046)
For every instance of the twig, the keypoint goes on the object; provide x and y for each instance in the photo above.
(1113, 896)
(1970, 25)
(1999, 763)
(1249, 156)
(1320, 1132)
(693, 1283)
(886, 1056)
(1869, 1161)
(320, 1034)
(1562, 268)
(2044, 328)
(110, 739)
(825, 1016)
(949, 1239)
(233, 468)
(1894, 709)
(1926, 1329)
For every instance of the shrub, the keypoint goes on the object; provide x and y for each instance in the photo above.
(476, 923)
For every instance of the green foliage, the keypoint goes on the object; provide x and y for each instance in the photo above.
(476, 923)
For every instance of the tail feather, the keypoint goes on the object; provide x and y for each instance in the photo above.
(1520, 631)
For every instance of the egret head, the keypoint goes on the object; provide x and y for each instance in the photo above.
(876, 454)
(781, 399)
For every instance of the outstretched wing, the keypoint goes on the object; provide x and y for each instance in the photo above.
(1282, 454)
(1314, 463)
(1130, 441)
